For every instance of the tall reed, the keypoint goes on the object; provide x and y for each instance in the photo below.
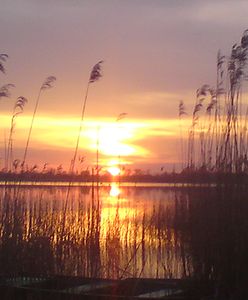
(18, 109)
(4, 93)
(95, 75)
(47, 84)
(218, 139)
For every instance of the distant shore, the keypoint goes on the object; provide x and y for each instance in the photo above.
(170, 178)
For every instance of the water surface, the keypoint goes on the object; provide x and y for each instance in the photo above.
(130, 231)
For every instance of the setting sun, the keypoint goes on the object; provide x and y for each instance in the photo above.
(111, 139)
(114, 171)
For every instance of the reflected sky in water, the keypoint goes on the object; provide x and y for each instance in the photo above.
(112, 232)
(117, 232)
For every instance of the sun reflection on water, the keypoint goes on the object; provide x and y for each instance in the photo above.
(115, 190)
(109, 232)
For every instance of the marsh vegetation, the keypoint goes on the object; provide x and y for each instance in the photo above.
(217, 137)
(142, 232)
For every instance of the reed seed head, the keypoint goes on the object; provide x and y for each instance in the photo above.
(96, 72)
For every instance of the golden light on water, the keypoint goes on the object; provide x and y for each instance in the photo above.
(118, 222)
(115, 208)
(114, 191)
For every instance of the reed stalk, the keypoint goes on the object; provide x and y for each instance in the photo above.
(47, 84)
(95, 75)
(17, 110)
(4, 93)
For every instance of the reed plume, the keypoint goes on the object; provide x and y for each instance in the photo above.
(3, 59)
(195, 117)
(47, 84)
(5, 89)
(181, 112)
(121, 116)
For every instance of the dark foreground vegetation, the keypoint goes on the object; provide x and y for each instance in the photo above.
(195, 233)
(218, 136)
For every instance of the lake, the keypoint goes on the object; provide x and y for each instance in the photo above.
(126, 231)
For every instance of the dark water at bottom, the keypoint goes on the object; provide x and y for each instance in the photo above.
(119, 232)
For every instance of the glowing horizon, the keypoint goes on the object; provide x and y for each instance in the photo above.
(123, 141)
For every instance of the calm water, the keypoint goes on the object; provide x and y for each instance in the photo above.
(118, 232)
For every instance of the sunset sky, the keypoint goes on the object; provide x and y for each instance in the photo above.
(155, 52)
